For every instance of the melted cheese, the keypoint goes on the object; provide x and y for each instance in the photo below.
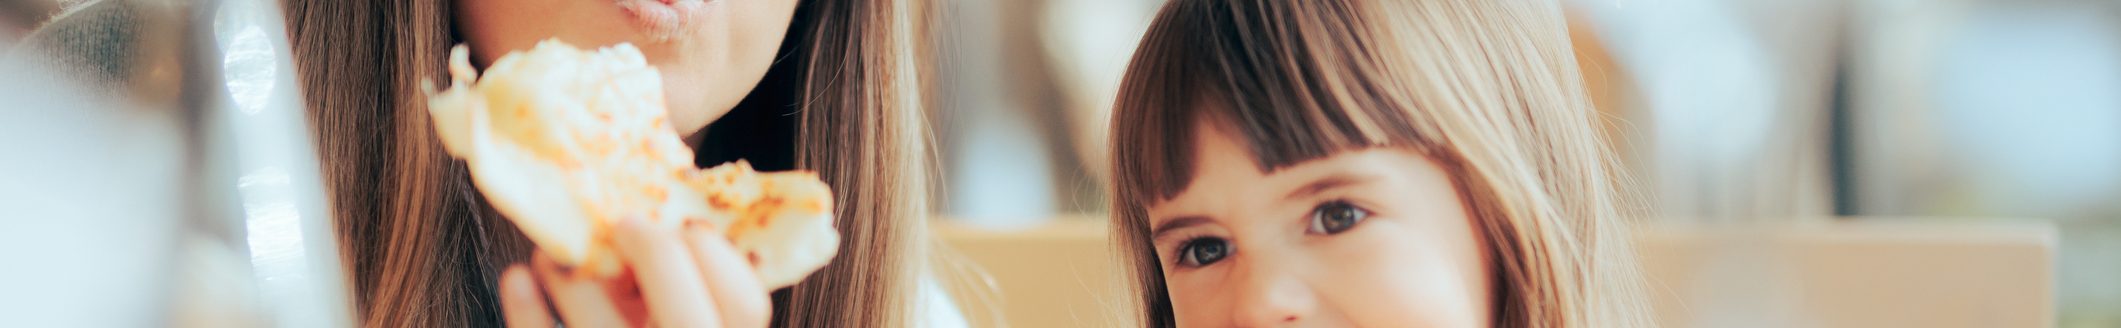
(564, 142)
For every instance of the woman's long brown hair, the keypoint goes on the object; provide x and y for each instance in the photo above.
(1486, 88)
(423, 249)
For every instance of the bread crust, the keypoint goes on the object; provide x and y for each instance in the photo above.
(565, 142)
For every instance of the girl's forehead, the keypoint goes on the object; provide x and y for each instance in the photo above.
(1220, 163)
(1224, 165)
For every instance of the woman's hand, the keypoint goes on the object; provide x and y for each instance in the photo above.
(688, 277)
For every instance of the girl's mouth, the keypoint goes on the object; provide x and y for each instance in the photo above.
(661, 19)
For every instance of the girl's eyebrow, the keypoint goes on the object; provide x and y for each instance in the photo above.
(1175, 224)
(1327, 183)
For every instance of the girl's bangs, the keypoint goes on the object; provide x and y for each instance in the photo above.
(1287, 88)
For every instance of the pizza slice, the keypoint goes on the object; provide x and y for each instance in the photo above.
(565, 141)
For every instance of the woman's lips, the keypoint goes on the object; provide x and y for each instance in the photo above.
(661, 19)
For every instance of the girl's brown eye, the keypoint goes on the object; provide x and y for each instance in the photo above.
(1202, 251)
(1335, 216)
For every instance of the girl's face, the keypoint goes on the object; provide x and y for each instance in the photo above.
(1376, 237)
(711, 52)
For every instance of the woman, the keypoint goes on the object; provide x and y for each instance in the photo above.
(1375, 163)
(824, 85)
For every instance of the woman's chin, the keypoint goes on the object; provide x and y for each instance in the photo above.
(691, 111)
(689, 117)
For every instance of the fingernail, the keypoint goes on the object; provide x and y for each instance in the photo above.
(541, 260)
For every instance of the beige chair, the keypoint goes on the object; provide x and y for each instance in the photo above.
(1843, 273)
(1853, 273)
(1060, 274)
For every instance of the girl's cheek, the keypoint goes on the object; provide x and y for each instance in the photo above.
(1194, 302)
(1390, 273)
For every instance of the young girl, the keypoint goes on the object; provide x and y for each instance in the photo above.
(824, 85)
(1378, 163)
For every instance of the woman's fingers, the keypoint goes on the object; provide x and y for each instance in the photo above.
(522, 304)
(669, 281)
(687, 278)
(736, 289)
(582, 300)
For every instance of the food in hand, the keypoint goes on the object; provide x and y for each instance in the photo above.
(565, 142)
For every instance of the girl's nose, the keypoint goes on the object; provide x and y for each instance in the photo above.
(1270, 295)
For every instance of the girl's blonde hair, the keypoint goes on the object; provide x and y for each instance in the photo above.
(1487, 88)
(423, 249)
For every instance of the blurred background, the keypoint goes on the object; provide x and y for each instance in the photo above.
(1815, 163)
(1849, 163)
